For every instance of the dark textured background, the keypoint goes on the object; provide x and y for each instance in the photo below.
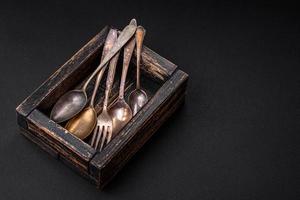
(235, 138)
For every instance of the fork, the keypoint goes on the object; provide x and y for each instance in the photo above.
(104, 121)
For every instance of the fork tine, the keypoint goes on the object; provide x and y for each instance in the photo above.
(104, 137)
(100, 130)
(109, 130)
(94, 136)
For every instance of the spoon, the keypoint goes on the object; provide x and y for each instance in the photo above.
(138, 98)
(84, 122)
(120, 111)
(74, 101)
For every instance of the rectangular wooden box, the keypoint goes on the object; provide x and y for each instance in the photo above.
(164, 83)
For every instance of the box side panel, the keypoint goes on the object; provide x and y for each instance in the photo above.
(67, 145)
(40, 142)
(70, 163)
(43, 143)
(21, 120)
(169, 97)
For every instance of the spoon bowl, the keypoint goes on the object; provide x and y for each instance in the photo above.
(68, 105)
(121, 114)
(83, 124)
(137, 99)
(120, 111)
(65, 108)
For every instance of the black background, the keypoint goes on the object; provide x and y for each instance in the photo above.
(235, 138)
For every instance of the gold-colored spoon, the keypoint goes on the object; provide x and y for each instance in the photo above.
(120, 111)
(83, 124)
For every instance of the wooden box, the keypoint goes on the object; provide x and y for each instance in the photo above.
(164, 83)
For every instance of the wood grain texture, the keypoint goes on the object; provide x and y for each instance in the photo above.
(60, 139)
(155, 65)
(40, 142)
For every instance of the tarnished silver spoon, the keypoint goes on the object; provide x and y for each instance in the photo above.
(120, 111)
(138, 97)
(74, 101)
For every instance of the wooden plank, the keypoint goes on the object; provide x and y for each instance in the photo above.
(68, 161)
(60, 138)
(167, 99)
(38, 141)
(59, 77)
(155, 65)
(53, 152)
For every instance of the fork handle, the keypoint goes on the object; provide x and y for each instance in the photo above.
(110, 79)
(128, 50)
(123, 38)
(109, 42)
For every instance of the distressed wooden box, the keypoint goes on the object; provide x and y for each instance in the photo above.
(164, 83)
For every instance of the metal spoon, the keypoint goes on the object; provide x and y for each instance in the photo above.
(138, 98)
(120, 111)
(83, 123)
(74, 101)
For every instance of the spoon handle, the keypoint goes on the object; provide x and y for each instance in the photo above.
(124, 37)
(128, 50)
(96, 86)
(109, 42)
(139, 36)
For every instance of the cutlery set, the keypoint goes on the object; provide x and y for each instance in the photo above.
(82, 119)
(93, 116)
